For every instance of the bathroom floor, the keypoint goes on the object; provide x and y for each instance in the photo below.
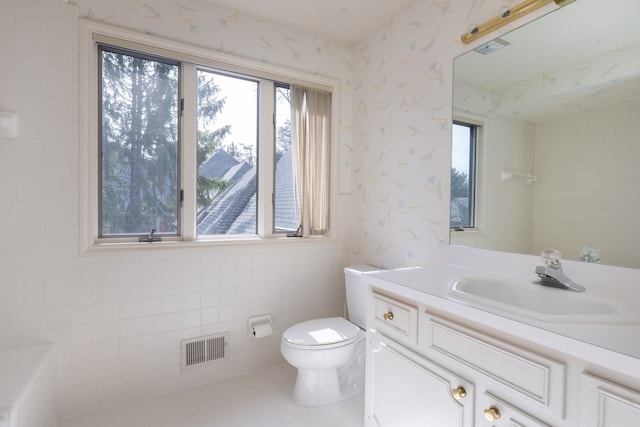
(257, 400)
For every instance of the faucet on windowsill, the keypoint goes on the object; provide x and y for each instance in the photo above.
(551, 273)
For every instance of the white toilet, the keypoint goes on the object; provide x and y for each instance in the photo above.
(329, 352)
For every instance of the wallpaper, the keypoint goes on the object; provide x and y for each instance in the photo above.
(402, 107)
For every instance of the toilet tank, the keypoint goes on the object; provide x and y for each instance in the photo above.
(357, 292)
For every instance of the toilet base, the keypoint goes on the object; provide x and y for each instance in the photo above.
(316, 387)
(322, 387)
(319, 387)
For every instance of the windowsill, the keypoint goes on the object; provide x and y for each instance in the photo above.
(179, 245)
(466, 230)
(466, 237)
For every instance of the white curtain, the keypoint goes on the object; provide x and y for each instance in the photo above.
(311, 131)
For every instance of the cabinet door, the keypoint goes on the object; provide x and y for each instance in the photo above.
(606, 404)
(406, 390)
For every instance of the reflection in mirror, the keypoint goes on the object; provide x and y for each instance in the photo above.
(558, 149)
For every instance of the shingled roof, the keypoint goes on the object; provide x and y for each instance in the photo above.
(218, 164)
(228, 205)
(233, 210)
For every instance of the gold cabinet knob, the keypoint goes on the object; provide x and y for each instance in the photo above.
(492, 413)
(388, 315)
(459, 393)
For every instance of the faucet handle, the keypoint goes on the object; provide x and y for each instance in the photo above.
(551, 258)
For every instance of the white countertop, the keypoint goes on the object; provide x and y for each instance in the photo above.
(615, 345)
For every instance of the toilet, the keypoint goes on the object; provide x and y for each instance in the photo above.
(329, 353)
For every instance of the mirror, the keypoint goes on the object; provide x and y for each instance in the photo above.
(558, 155)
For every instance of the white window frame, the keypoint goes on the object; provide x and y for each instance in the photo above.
(480, 170)
(266, 74)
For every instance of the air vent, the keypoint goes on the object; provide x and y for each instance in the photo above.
(202, 350)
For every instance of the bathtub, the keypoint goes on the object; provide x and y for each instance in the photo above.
(27, 387)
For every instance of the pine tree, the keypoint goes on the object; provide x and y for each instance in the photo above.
(139, 144)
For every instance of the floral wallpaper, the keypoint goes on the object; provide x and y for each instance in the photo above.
(205, 24)
(401, 152)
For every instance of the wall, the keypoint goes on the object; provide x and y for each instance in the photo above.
(117, 319)
(595, 202)
(401, 149)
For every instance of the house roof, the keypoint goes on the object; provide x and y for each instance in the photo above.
(233, 210)
(218, 164)
(228, 205)
(287, 217)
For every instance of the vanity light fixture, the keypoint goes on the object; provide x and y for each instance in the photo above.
(512, 14)
(491, 46)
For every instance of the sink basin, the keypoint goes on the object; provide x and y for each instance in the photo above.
(540, 302)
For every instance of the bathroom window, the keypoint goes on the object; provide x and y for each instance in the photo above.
(139, 144)
(197, 149)
(286, 200)
(463, 175)
(227, 154)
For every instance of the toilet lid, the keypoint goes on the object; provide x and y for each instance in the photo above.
(321, 332)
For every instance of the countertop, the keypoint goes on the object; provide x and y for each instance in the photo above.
(615, 345)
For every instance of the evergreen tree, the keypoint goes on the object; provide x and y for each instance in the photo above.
(209, 105)
(459, 184)
(139, 144)
(283, 138)
(139, 147)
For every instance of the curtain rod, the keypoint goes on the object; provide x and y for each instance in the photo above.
(512, 14)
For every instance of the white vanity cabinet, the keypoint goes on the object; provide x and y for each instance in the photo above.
(406, 390)
(425, 369)
(607, 404)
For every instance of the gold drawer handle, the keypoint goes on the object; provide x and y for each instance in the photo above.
(492, 413)
(388, 315)
(459, 393)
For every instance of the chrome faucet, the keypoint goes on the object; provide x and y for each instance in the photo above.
(555, 277)
(551, 273)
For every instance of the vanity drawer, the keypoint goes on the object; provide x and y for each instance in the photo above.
(497, 413)
(394, 318)
(520, 374)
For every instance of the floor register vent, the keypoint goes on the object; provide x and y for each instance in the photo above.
(202, 350)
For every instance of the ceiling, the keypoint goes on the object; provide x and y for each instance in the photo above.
(556, 42)
(346, 21)
(559, 40)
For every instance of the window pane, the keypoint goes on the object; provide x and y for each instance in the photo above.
(227, 154)
(139, 144)
(462, 175)
(286, 212)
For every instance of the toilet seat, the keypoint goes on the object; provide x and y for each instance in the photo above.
(319, 334)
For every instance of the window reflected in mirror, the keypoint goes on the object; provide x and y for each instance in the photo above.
(463, 175)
